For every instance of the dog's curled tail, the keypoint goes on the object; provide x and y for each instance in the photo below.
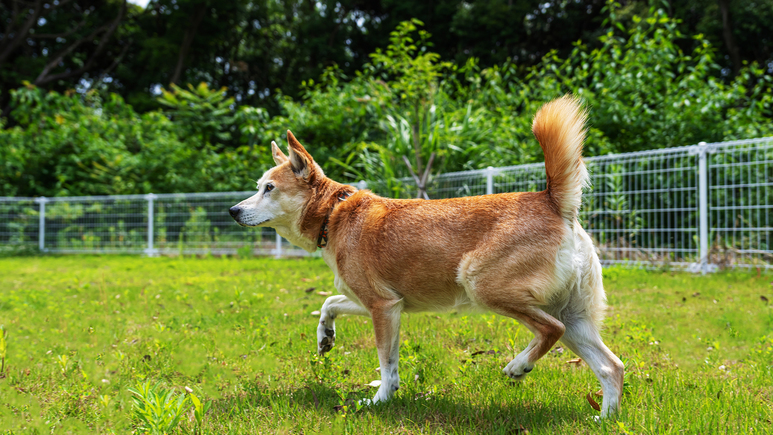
(559, 126)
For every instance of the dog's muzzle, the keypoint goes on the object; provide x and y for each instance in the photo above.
(234, 211)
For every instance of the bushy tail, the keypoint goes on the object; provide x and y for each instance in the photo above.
(559, 126)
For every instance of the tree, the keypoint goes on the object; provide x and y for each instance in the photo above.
(54, 43)
(263, 50)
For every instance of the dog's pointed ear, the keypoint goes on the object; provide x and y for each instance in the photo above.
(279, 156)
(300, 160)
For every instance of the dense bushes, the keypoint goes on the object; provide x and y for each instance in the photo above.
(83, 145)
(642, 90)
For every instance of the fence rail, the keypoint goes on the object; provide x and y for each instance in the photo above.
(695, 207)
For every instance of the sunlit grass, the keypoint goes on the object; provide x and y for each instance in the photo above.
(82, 331)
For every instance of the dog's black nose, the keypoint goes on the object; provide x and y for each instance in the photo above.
(234, 211)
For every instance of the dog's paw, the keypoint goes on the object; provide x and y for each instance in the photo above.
(380, 397)
(518, 369)
(367, 402)
(326, 338)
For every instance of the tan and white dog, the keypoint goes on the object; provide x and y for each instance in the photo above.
(521, 255)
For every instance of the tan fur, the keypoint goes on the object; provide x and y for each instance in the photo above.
(559, 126)
(518, 232)
(522, 255)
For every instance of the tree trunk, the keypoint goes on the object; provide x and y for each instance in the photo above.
(727, 33)
(190, 33)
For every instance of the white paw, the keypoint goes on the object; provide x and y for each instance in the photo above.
(384, 394)
(368, 402)
(518, 369)
(326, 338)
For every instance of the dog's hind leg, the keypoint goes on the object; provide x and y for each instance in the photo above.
(583, 338)
(386, 324)
(334, 306)
(546, 329)
(515, 295)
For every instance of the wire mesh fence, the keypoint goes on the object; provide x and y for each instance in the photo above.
(19, 223)
(644, 207)
(740, 202)
(694, 207)
(170, 224)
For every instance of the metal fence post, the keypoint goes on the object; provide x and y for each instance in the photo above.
(703, 208)
(42, 223)
(489, 180)
(278, 253)
(150, 252)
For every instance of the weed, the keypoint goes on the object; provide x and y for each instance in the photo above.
(3, 349)
(199, 409)
(157, 410)
(62, 361)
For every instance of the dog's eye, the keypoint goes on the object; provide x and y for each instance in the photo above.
(269, 187)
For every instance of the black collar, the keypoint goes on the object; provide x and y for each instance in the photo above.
(322, 239)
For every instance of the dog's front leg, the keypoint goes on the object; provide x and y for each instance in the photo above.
(333, 306)
(386, 324)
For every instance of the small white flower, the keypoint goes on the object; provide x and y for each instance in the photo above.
(189, 390)
(722, 367)
(105, 381)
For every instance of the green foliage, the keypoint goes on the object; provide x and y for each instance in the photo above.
(67, 144)
(199, 410)
(410, 68)
(205, 113)
(643, 91)
(255, 47)
(158, 411)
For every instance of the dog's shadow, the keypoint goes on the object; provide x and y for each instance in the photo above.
(441, 412)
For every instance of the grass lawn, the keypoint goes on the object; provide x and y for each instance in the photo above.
(239, 333)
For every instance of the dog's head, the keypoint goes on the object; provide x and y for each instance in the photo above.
(283, 191)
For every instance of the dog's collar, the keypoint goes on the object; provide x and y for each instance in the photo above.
(322, 239)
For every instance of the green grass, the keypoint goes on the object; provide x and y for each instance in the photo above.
(81, 331)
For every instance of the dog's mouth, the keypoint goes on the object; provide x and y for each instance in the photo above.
(255, 225)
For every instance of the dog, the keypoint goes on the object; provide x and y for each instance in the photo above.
(521, 255)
